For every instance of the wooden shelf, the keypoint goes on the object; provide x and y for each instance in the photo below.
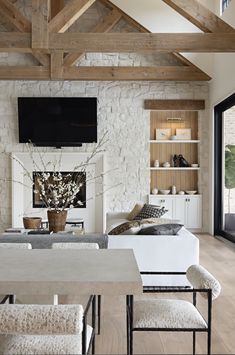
(174, 196)
(172, 168)
(174, 141)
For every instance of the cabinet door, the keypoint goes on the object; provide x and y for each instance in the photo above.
(193, 212)
(167, 202)
(180, 210)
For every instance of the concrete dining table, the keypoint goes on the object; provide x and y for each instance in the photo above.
(69, 272)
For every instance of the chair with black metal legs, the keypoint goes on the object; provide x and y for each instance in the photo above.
(81, 246)
(174, 315)
(47, 329)
(11, 298)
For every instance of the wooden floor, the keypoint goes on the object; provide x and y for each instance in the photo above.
(219, 258)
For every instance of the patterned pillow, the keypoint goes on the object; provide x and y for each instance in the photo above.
(150, 211)
(163, 229)
(137, 208)
(132, 227)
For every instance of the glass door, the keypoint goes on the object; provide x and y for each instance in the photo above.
(224, 192)
(229, 170)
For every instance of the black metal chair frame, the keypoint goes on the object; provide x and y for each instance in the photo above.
(169, 289)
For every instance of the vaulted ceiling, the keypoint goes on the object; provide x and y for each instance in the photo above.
(46, 31)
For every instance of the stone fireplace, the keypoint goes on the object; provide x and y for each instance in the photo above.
(26, 203)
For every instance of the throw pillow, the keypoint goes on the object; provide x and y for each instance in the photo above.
(150, 211)
(137, 208)
(161, 229)
(132, 227)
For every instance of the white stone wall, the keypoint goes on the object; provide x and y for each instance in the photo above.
(121, 113)
(229, 138)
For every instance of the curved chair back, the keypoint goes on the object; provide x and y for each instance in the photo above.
(75, 246)
(15, 245)
(200, 278)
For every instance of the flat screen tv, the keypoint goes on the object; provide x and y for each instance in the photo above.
(57, 121)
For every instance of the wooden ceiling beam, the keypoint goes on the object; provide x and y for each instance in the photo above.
(55, 7)
(58, 72)
(143, 42)
(104, 25)
(11, 14)
(177, 73)
(24, 73)
(143, 29)
(125, 16)
(200, 16)
(123, 42)
(68, 15)
(40, 15)
(57, 65)
(18, 22)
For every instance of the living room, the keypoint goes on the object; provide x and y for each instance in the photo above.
(158, 79)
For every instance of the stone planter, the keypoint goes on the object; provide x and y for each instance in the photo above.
(56, 220)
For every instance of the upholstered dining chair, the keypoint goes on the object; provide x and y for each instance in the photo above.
(83, 246)
(11, 298)
(15, 246)
(46, 329)
(174, 314)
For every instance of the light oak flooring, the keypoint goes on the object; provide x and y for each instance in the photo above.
(219, 258)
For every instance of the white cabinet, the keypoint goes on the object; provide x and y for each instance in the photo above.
(193, 212)
(185, 208)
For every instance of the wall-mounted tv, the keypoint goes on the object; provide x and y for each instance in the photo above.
(57, 121)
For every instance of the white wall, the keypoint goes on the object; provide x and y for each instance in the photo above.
(121, 113)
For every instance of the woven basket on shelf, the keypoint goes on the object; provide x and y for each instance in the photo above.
(32, 222)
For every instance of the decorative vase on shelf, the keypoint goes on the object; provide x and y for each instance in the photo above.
(56, 220)
(32, 222)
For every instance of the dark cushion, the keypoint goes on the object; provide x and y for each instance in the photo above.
(150, 211)
(161, 229)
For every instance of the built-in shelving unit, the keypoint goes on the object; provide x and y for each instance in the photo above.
(184, 178)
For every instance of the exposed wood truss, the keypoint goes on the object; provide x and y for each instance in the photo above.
(57, 50)
(119, 42)
(200, 16)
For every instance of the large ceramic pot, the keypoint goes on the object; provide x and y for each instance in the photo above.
(56, 220)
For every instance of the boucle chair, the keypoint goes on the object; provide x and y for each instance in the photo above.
(11, 298)
(82, 246)
(45, 329)
(174, 314)
(15, 245)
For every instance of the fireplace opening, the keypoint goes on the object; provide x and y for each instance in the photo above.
(76, 177)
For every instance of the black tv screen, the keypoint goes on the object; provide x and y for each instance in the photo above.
(57, 121)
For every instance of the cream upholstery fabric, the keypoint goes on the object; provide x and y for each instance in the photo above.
(16, 245)
(75, 246)
(199, 277)
(40, 319)
(164, 313)
(43, 344)
(36, 344)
